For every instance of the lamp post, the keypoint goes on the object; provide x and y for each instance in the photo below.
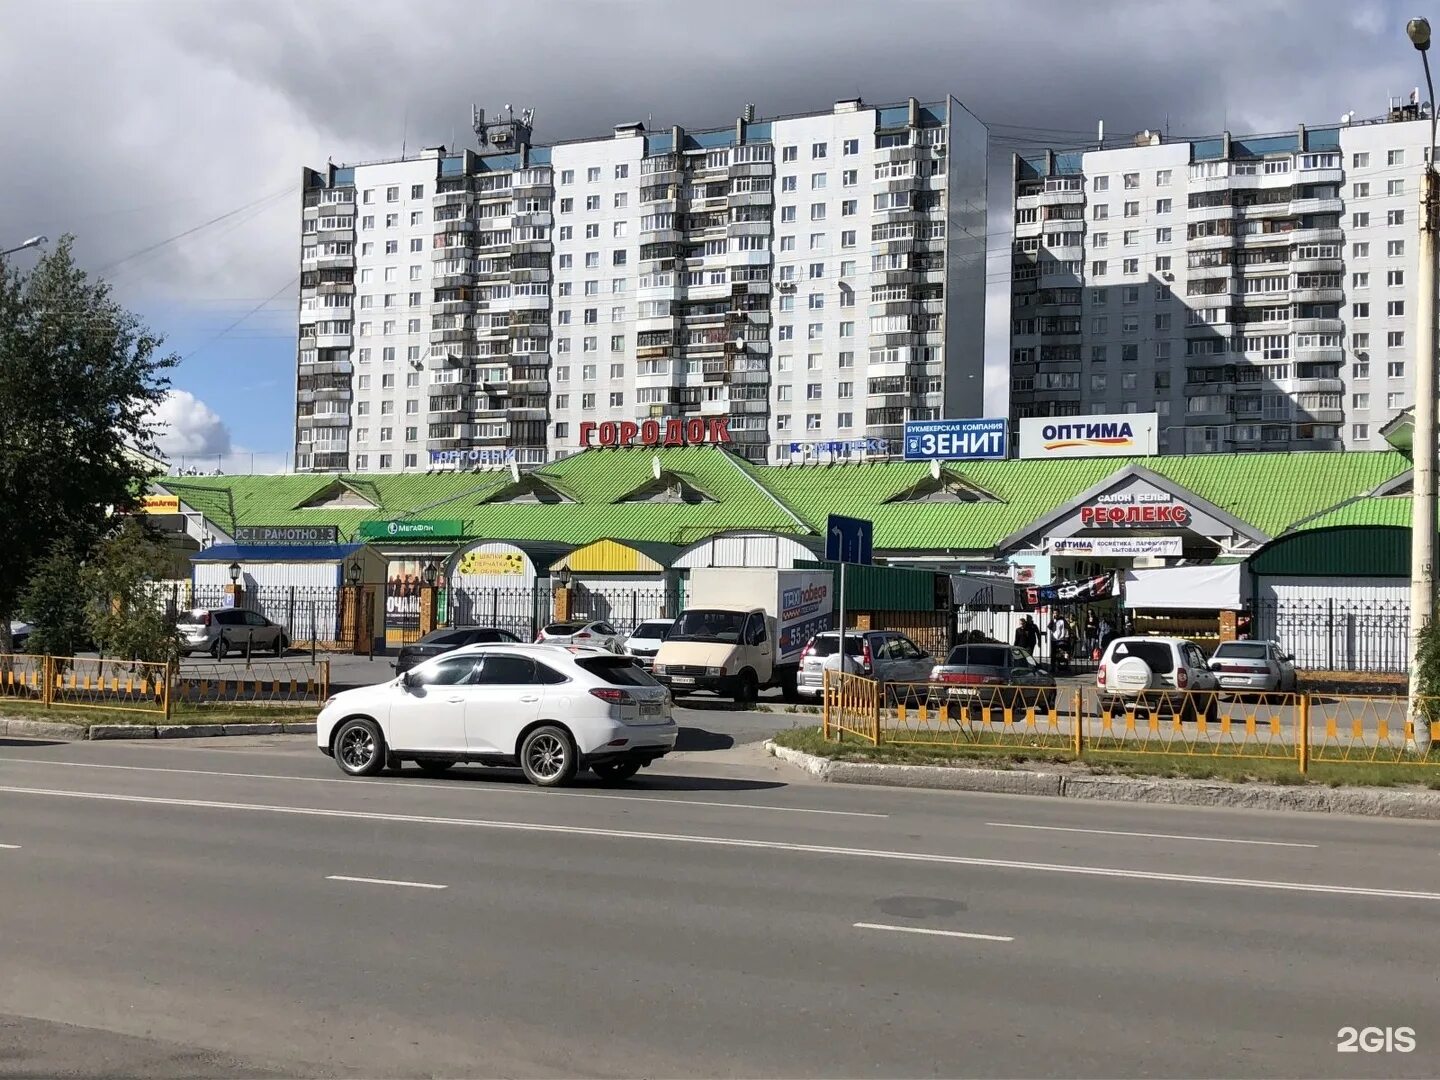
(34, 241)
(355, 572)
(430, 574)
(234, 573)
(1423, 442)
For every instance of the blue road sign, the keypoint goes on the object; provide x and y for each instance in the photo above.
(849, 540)
(931, 439)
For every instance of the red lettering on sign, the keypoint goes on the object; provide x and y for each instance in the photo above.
(587, 432)
(650, 432)
(1142, 514)
(607, 433)
(674, 432)
(718, 430)
(628, 431)
(695, 430)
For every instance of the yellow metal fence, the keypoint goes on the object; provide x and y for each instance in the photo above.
(136, 686)
(1302, 728)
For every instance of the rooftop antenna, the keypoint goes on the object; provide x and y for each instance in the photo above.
(655, 466)
(405, 130)
(934, 468)
(1100, 133)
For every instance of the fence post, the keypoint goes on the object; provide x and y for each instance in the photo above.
(1302, 732)
(495, 607)
(1330, 634)
(290, 612)
(1077, 703)
(47, 677)
(314, 631)
(877, 701)
(825, 704)
(172, 671)
(324, 680)
(634, 610)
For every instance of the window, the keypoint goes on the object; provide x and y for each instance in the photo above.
(1100, 212)
(1131, 266)
(1097, 382)
(850, 177)
(847, 238)
(567, 205)
(817, 270)
(1361, 370)
(1360, 431)
(1395, 339)
(622, 171)
(1099, 354)
(814, 391)
(1360, 161)
(1163, 206)
(817, 301)
(1132, 180)
(1360, 280)
(1132, 209)
(1162, 178)
(1395, 248)
(817, 181)
(392, 194)
(1099, 325)
(1162, 322)
(1395, 369)
(1162, 236)
(1101, 183)
(1360, 251)
(617, 398)
(392, 221)
(818, 150)
(1395, 401)
(789, 153)
(817, 242)
(1395, 277)
(592, 260)
(1394, 217)
(592, 202)
(392, 247)
(817, 211)
(1395, 187)
(1132, 237)
(849, 208)
(1360, 401)
(852, 146)
(814, 330)
(1395, 307)
(1395, 157)
(592, 174)
(787, 214)
(1359, 221)
(784, 333)
(1360, 311)
(587, 401)
(1097, 268)
(592, 232)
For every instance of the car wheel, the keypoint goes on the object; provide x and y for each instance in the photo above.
(547, 756)
(281, 644)
(747, 689)
(790, 687)
(616, 771)
(434, 766)
(360, 748)
(1044, 703)
(220, 649)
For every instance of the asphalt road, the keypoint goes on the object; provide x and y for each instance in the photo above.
(202, 908)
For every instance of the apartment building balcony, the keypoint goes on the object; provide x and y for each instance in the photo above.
(903, 306)
(445, 199)
(750, 406)
(1332, 205)
(1317, 266)
(324, 461)
(749, 378)
(748, 168)
(529, 330)
(521, 413)
(483, 440)
(326, 367)
(489, 409)
(716, 406)
(458, 251)
(1317, 296)
(332, 341)
(752, 198)
(1058, 198)
(1332, 235)
(457, 415)
(1318, 416)
(343, 206)
(1314, 386)
(1317, 326)
(1319, 354)
(331, 288)
(1266, 210)
(334, 262)
(1317, 176)
(328, 393)
(532, 247)
(452, 333)
(895, 277)
(747, 228)
(1210, 243)
(334, 236)
(902, 340)
(1229, 291)
(529, 386)
(527, 275)
(744, 258)
(453, 307)
(1209, 213)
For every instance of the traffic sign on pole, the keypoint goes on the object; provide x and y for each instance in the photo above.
(849, 540)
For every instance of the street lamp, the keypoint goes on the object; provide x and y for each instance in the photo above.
(234, 573)
(355, 572)
(429, 574)
(1423, 522)
(562, 577)
(34, 241)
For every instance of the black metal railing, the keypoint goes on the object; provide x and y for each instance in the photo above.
(1338, 634)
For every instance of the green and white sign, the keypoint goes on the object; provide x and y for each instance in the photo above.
(409, 529)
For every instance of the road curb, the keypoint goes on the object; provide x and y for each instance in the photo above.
(44, 729)
(1306, 798)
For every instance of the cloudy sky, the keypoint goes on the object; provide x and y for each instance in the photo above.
(168, 135)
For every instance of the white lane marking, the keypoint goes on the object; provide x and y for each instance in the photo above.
(735, 842)
(1148, 835)
(489, 790)
(385, 881)
(10, 847)
(933, 933)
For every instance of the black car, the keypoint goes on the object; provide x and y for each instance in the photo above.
(442, 641)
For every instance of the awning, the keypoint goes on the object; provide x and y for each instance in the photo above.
(228, 553)
(1212, 587)
(619, 557)
(984, 590)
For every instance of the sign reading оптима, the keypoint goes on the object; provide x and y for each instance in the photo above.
(288, 534)
(409, 529)
(1116, 435)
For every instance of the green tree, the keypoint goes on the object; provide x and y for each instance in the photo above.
(79, 376)
(125, 609)
(53, 603)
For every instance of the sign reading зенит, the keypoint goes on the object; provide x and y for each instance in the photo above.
(955, 439)
(1118, 435)
(409, 529)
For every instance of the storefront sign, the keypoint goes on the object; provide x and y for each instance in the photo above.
(502, 563)
(932, 439)
(1119, 435)
(1106, 547)
(1135, 508)
(409, 529)
(671, 431)
(160, 504)
(309, 535)
(473, 456)
(1085, 591)
(839, 448)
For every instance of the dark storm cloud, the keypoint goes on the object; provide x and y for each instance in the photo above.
(129, 122)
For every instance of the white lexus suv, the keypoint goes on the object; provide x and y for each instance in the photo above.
(551, 710)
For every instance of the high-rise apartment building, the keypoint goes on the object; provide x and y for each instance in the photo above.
(815, 280)
(1257, 292)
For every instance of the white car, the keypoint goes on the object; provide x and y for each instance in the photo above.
(1168, 675)
(551, 711)
(579, 632)
(1254, 665)
(644, 643)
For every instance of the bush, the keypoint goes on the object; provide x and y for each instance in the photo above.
(124, 615)
(53, 603)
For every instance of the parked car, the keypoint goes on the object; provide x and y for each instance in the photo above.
(1147, 672)
(551, 711)
(882, 655)
(219, 630)
(1254, 665)
(995, 676)
(644, 643)
(442, 641)
(579, 632)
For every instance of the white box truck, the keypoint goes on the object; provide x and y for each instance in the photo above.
(743, 630)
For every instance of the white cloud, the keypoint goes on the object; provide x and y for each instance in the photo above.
(185, 425)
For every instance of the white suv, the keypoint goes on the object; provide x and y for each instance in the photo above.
(550, 710)
(1147, 671)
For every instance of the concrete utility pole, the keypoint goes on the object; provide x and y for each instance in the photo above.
(1423, 522)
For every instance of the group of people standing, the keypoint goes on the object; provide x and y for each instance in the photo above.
(1065, 636)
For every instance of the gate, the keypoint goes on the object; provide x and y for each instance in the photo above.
(520, 610)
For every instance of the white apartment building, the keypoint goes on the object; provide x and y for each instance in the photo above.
(1257, 292)
(816, 280)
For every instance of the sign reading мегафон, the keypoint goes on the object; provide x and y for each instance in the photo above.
(276, 535)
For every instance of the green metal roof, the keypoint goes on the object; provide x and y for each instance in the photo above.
(1371, 510)
(1271, 492)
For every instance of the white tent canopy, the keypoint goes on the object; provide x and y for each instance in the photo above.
(1222, 587)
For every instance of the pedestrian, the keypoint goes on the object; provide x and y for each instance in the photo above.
(1027, 635)
(1092, 634)
(1107, 632)
(1060, 642)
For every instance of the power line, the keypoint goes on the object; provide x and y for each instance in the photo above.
(194, 229)
(210, 341)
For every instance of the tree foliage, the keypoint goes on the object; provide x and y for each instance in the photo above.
(53, 603)
(79, 375)
(125, 611)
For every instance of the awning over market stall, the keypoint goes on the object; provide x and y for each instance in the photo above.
(1213, 587)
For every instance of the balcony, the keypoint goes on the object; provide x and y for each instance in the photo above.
(452, 307)
(752, 198)
(457, 415)
(750, 407)
(528, 412)
(443, 199)
(747, 168)
(1317, 296)
(332, 341)
(329, 393)
(326, 367)
(451, 333)
(1057, 198)
(1209, 243)
(1332, 235)
(1334, 205)
(1315, 386)
(1209, 213)
(1317, 266)
(1317, 326)
(335, 262)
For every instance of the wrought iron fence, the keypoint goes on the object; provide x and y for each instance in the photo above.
(308, 613)
(625, 608)
(520, 610)
(1338, 635)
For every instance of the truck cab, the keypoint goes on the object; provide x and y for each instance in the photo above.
(726, 651)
